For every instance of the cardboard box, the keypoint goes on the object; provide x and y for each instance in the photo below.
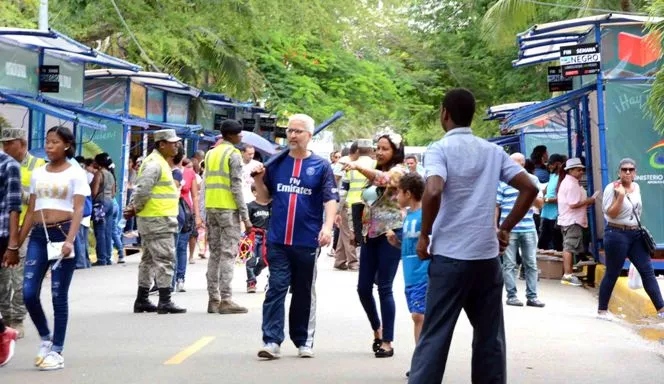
(550, 267)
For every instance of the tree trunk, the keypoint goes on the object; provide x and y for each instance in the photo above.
(626, 5)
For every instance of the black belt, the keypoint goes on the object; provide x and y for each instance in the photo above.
(624, 227)
(54, 225)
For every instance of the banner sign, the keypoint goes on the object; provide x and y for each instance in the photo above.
(49, 78)
(630, 133)
(177, 108)
(630, 51)
(137, 100)
(558, 82)
(70, 79)
(249, 124)
(579, 60)
(19, 69)
(155, 105)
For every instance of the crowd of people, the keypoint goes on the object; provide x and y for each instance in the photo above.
(458, 226)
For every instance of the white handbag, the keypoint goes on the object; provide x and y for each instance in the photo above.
(54, 249)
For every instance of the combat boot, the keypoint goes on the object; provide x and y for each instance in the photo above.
(165, 303)
(213, 306)
(228, 307)
(142, 303)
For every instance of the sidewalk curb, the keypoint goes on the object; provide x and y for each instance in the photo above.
(634, 304)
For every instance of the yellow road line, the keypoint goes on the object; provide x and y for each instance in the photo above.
(190, 350)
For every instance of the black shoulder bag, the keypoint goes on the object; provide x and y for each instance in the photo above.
(648, 240)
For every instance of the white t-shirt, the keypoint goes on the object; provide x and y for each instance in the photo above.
(248, 180)
(56, 190)
(626, 213)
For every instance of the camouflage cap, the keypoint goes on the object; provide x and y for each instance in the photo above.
(166, 135)
(9, 134)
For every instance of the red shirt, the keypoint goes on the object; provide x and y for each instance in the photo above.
(188, 179)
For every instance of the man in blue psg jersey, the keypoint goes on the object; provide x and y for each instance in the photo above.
(301, 185)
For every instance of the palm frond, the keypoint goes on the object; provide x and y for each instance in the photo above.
(504, 19)
(656, 98)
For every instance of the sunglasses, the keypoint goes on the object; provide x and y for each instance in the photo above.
(628, 169)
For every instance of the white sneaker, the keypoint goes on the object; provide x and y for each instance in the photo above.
(605, 315)
(52, 361)
(305, 352)
(44, 350)
(270, 351)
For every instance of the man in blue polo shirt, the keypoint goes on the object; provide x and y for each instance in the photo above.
(301, 185)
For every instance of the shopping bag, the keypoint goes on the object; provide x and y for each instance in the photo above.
(634, 278)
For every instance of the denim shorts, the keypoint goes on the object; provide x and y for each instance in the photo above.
(416, 297)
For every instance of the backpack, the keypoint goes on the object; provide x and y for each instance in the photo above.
(185, 217)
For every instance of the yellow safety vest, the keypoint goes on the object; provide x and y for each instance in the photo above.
(27, 166)
(218, 177)
(164, 196)
(357, 182)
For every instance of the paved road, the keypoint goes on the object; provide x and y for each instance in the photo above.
(106, 343)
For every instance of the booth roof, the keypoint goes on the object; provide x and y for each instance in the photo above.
(500, 111)
(162, 81)
(49, 109)
(550, 109)
(54, 42)
(542, 42)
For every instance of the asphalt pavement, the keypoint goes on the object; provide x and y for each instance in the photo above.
(107, 343)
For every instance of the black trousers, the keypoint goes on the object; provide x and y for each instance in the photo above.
(476, 287)
(551, 237)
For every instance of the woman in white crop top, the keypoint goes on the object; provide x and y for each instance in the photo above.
(622, 208)
(55, 210)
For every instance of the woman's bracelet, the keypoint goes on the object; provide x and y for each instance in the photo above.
(13, 248)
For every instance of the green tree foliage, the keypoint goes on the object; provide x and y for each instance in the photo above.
(386, 64)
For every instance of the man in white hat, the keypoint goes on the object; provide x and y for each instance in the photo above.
(15, 144)
(155, 203)
(572, 217)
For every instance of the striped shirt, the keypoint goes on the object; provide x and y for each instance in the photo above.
(506, 198)
(10, 191)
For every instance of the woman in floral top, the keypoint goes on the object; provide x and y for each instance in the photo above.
(380, 260)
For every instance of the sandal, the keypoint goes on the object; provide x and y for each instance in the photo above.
(376, 345)
(383, 353)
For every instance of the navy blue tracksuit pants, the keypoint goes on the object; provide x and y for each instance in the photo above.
(290, 266)
(476, 287)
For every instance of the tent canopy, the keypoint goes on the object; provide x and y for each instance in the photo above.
(55, 43)
(49, 109)
(541, 43)
(499, 112)
(163, 81)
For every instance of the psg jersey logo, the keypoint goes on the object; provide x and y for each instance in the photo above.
(310, 171)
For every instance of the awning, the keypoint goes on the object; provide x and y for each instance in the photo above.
(163, 81)
(56, 43)
(224, 104)
(99, 115)
(49, 110)
(554, 106)
(504, 140)
(542, 42)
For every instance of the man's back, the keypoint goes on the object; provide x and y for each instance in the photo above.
(471, 167)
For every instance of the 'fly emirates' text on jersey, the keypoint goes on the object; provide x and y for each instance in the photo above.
(299, 188)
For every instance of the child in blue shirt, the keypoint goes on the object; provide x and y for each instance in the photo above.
(410, 191)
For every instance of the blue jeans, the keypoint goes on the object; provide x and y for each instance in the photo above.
(291, 266)
(103, 234)
(255, 264)
(81, 245)
(114, 232)
(527, 243)
(625, 244)
(131, 222)
(36, 266)
(181, 251)
(379, 262)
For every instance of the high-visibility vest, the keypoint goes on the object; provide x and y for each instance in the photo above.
(218, 177)
(164, 196)
(357, 182)
(27, 166)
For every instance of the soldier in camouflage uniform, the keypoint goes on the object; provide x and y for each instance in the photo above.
(15, 144)
(224, 204)
(155, 203)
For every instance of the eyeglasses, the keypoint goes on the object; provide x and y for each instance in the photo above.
(628, 170)
(292, 131)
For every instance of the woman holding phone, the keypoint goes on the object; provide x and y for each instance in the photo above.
(55, 210)
(380, 260)
(622, 208)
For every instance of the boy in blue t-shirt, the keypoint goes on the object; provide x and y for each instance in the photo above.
(411, 189)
